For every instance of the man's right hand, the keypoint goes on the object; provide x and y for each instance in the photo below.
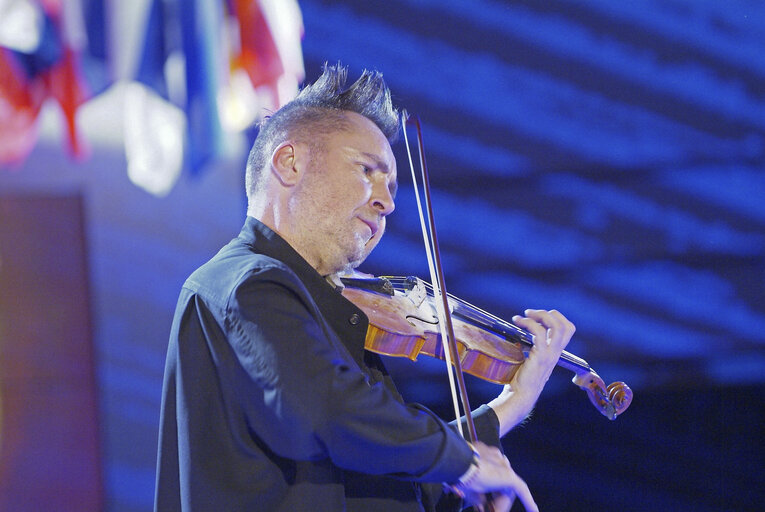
(496, 476)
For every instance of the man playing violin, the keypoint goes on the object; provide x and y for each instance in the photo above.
(269, 400)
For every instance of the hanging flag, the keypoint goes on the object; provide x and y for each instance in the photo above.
(64, 83)
(154, 139)
(266, 61)
(94, 50)
(20, 103)
(268, 49)
(51, 68)
(21, 30)
(179, 70)
(187, 79)
(286, 25)
(81, 40)
(201, 33)
(20, 25)
(258, 53)
(155, 123)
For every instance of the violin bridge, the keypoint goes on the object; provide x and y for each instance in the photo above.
(418, 293)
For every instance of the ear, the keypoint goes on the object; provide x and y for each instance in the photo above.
(287, 163)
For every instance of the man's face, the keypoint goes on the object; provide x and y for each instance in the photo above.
(346, 195)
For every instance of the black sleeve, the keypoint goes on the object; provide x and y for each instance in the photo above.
(487, 430)
(307, 401)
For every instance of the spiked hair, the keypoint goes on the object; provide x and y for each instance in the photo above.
(318, 110)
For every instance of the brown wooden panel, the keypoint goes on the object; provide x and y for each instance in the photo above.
(49, 437)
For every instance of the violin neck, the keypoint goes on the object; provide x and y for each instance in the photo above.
(512, 332)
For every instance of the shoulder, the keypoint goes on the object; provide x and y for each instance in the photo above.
(237, 268)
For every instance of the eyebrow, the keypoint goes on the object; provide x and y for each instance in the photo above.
(393, 186)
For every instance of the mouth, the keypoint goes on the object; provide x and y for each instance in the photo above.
(373, 226)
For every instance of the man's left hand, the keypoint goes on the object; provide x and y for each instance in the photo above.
(552, 332)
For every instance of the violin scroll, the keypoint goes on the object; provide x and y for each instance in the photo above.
(620, 395)
(611, 401)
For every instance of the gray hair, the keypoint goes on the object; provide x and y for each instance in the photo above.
(318, 110)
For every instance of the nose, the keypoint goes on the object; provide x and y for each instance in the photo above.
(382, 199)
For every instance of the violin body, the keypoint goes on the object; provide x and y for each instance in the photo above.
(403, 322)
(406, 325)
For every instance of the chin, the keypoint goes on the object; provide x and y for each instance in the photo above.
(355, 261)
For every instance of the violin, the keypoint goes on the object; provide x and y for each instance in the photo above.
(407, 318)
(403, 322)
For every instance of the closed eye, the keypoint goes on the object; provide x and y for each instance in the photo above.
(379, 164)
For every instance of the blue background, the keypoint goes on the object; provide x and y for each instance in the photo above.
(603, 158)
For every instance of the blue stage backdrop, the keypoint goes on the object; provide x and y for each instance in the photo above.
(603, 158)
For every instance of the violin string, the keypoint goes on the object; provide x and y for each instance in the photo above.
(523, 334)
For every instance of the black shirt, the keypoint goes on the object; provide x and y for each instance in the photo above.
(270, 402)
